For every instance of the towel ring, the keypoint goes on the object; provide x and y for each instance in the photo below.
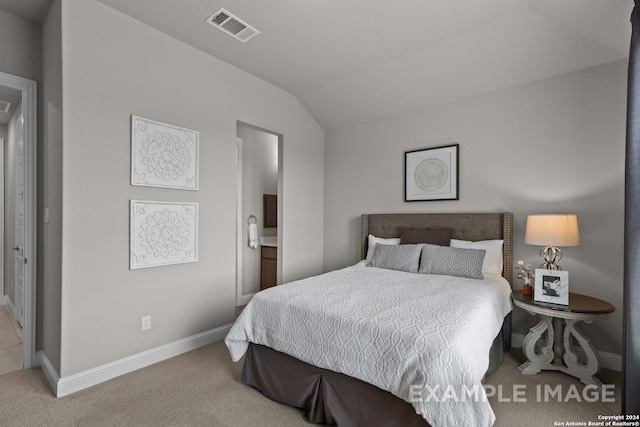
(252, 217)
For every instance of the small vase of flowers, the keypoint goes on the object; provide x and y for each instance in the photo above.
(524, 273)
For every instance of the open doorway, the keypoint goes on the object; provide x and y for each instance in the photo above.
(259, 219)
(17, 313)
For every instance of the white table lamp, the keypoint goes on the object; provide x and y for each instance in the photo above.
(552, 231)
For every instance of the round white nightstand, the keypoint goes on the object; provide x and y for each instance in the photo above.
(557, 353)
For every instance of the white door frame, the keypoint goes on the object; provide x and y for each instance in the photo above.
(241, 222)
(19, 260)
(29, 112)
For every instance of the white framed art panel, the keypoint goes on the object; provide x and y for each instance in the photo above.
(162, 233)
(163, 155)
(551, 286)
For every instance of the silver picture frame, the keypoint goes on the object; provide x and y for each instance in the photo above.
(551, 286)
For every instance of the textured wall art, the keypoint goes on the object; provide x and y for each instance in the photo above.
(431, 174)
(163, 155)
(163, 233)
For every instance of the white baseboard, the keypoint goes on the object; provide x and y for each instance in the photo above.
(607, 360)
(10, 306)
(85, 379)
(47, 369)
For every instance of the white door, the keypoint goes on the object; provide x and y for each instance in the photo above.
(26, 272)
(19, 222)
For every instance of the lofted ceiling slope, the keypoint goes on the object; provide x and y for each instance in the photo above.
(359, 60)
(353, 61)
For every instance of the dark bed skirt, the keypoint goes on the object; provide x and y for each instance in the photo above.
(326, 397)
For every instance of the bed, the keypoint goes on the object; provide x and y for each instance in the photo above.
(368, 346)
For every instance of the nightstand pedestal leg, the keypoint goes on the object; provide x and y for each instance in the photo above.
(557, 353)
(585, 372)
(537, 361)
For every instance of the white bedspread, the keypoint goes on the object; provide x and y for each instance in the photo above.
(390, 329)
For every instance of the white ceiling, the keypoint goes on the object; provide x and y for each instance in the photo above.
(359, 60)
(12, 96)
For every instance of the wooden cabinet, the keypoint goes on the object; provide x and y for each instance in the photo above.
(268, 267)
(270, 210)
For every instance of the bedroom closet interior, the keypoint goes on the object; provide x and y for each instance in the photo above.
(258, 180)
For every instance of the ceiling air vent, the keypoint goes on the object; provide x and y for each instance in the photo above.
(232, 25)
(4, 106)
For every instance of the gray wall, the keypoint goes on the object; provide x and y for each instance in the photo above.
(552, 146)
(115, 67)
(21, 55)
(20, 47)
(50, 191)
(259, 176)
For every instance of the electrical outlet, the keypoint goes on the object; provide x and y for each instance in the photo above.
(146, 323)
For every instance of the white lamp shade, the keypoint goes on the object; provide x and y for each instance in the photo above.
(552, 230)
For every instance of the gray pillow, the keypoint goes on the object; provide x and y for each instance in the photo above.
(397, 257)
(451, 261)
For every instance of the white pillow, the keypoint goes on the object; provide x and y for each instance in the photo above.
(373, 240)
(493, 259)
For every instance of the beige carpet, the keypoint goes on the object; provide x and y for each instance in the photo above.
(203, 388)
(532, 413)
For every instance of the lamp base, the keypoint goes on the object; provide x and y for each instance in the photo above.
(551, 255)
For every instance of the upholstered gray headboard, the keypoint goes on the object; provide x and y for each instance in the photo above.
(466, 226)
